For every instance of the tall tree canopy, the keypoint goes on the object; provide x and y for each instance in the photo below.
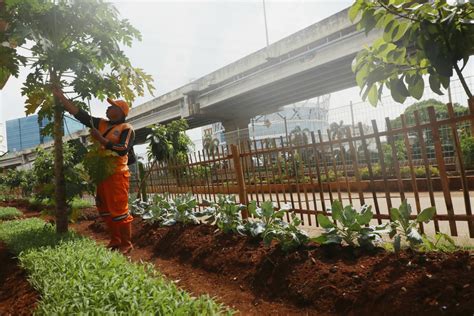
(75, 45)
(420, 38)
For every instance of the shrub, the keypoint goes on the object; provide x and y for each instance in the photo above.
(8, 213)
(467, 148)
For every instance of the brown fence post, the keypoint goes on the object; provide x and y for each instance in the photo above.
(442, 170)
(470, 103)
(240, 178)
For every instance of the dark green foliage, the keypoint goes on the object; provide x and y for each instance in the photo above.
(419, 39)
(467, 148)
(169, 142)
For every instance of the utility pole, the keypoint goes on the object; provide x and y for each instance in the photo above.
(265, 17)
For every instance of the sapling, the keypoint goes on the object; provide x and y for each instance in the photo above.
(402, 227)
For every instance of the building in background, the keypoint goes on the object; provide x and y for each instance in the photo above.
(3, 141)
(25, 132)
(302, 117)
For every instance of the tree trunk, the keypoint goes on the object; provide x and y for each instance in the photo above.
(59, 182)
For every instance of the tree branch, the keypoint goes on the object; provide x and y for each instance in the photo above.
(397, 13)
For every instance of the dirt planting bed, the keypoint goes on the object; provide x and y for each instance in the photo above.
(17, 297)
(314, 280)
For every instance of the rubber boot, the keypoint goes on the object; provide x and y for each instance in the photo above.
(115, 236)
(126, 236)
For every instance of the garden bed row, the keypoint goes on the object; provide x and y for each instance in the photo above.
(327, 279)
(74, 275)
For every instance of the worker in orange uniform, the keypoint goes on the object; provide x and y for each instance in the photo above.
(112, 193)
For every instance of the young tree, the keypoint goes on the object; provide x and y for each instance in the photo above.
(74, 45)
(420, 38)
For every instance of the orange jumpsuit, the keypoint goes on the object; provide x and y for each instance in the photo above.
(112, 193)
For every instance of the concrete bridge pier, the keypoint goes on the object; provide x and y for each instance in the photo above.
(237, 132)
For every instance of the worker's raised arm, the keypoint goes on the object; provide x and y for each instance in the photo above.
(68, 105)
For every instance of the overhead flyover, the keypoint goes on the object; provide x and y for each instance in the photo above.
(311, 62)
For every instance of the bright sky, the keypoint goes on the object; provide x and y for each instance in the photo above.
(184, 40)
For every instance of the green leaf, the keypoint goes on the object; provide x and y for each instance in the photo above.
(435, 84)
(395, 214)
(354, 11)
(365, 217)
(405, 210)
(320, 239)
(400, 30)
(373, 95)
(336, 210)
(416, 87)
(324, 221)
(426, 215)
(4, 75)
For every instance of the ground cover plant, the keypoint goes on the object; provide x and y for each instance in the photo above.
(88, 278)
(349, 226)
(7, 213)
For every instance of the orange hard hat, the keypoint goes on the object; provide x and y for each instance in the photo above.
(121, 104)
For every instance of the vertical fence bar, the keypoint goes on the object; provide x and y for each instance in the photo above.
(334, 165)
(371, 173)
(462, 171)
(396, 164)
(296, 176)
(424, 156)
(318, 174)
(240, 178)
(412, 169)
(323, 155)
(382, 164)
(281, 176)
(342, 150)
(442, 170)
(311, 179)
(355, 165)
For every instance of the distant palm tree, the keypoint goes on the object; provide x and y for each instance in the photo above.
(299, 136)
(337, 131)
(210, 144)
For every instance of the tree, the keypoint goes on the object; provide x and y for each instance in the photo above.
(74, 45)
(210, 144)
(299, 136)
(420, 38)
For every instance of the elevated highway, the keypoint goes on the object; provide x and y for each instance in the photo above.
(311, 62)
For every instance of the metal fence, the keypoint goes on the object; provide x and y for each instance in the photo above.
(357, 165)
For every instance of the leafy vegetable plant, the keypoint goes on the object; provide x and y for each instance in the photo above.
(267, 217)
(402, 226)
(349, 226)
(179, 210)
(226, 214)
(288, 235)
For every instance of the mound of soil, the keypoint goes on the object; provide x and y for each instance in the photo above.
(17, 297)
(336, 280)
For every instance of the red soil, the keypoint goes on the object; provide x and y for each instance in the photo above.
(255, 279)
(17, 297)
